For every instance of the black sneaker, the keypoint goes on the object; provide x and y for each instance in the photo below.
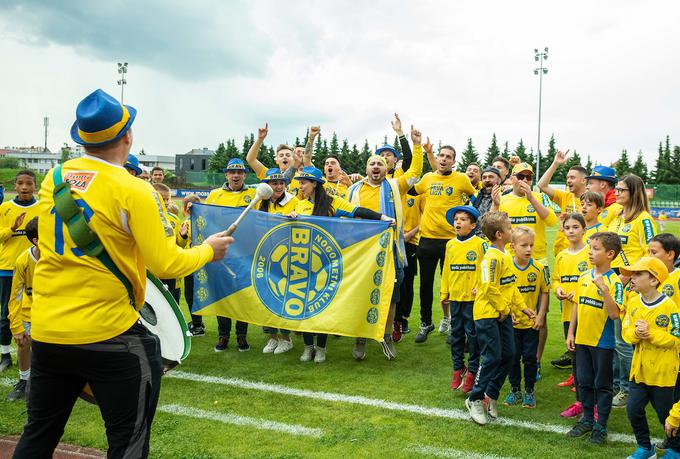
(242, 344)
(5, 362)
(404, 327)
(222, 344)
(196, 330)
(663, 446)
(599, 435)
(19, 391)
(425, 330)
(580, 429)
(562, 362)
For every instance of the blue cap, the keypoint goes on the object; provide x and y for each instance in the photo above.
(472, 211)
(132, 164)
(101, 119)
(311, 173)
(389, 148)
(603, 173)
(235, 164)
(274, 174)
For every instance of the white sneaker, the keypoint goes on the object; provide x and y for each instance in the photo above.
(319, 354)
(271, 346)
(492, 409)
(476, 410)
(284, 346)
(620, 400)
(445, 325)
(307, 354)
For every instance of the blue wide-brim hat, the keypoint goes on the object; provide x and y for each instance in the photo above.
(235, 164)
(389, 148)
(311, 173)
(603, 173)
(451, 213)
(132, 163)
(101, 119)
(274, 173)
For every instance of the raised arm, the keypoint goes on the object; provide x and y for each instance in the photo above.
(251, 157)
(411, 175)
(403, 142)
(544, 182)
(309, 148)
(430, 155)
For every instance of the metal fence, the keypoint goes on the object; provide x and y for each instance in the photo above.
(207, 179)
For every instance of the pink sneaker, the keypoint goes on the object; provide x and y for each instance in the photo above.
(574, 410)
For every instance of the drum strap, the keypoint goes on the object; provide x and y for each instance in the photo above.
(84, 238)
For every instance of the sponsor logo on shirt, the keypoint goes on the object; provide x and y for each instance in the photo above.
(526, 288)
(462, 267)
(449, 190)
(626, 228)
(523, 220)
(471, 255)
(582, 266)
(586, 301)
(648, 229)
(80, 180)
(662, 320)
(508, 280)
(531, 209)
(569, 278)
(436, 189)
(410, 202)
(531, 277)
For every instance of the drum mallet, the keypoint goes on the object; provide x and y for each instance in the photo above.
(263, 191)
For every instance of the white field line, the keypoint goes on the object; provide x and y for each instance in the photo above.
(453, 453)
(377, 403)
(235, 419)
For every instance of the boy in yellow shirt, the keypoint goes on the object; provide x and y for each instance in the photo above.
(599, 301)
(652, 326)
(20, 302)
(14, 215)
(666, 247)
(592, 204)
(493, 305)
(460, 278)
(532, 281)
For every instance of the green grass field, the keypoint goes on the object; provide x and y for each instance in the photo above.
(423, 416)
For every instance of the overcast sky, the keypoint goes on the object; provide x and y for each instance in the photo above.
(204, 71)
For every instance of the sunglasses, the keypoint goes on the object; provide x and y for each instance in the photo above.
(525, 177)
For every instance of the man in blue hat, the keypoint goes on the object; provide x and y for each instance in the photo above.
(233, 193)
(132, 165)
(87, 289)
(603, 180)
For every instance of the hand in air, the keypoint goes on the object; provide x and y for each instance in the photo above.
(561, 157)
(262, 132)
(427, 146)
(396, 125)
(416, 136)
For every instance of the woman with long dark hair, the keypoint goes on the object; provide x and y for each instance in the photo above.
(319, 203)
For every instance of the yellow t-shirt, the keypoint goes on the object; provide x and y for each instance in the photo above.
(568, 269)
(596, 228)
(412, 211)
(655, 360)
(671, 286)
(21, 296)
(441, 192)
(336, 189)
(663, 217)
(76, 299)
(339, 207)
(610, 213)
(568, 203)
(293, 186)
(285, 206)
(635, 236)
(12, 244)
(460, 275)
(531, 282)
(521, 212)
(497, 281)
(594, 327)
(229, 198)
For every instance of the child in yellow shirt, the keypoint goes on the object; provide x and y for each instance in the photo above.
(652, 326)
(592, 204)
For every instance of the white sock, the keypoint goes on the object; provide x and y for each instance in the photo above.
(24, 374)
(4, 349)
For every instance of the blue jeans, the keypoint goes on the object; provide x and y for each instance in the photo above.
(624, 351)
(462, 325)
(526, 346)
(497, 349)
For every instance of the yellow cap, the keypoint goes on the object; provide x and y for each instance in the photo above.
(522, 167)
(654, 266)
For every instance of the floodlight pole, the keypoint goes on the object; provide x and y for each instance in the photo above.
(122, 71)
(540, 56)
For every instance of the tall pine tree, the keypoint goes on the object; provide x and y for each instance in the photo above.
(492, 152)
(623, 166)
(219, 160)
(675, 166)
(547, 159)
(469, 156)
(521, 151)
(506, 151)
(640, 167)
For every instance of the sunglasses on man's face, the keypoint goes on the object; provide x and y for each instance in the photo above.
(524, 177)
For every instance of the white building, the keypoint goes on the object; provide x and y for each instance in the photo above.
(151, 161)
(33, 158)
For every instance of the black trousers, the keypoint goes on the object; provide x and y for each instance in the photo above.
(125, 376)
(321, 339)
(430, 253)
(189, 297)
(526, 346)
(405, 303)
(5, 292)
(224, 327)
(661, 398)
(173, 288)
(595, 370)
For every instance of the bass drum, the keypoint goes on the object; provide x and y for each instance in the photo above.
(162, 316)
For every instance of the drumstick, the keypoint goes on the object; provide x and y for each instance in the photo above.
(263, 191)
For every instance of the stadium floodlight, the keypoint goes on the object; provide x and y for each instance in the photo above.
(540, 71)
(122, 71)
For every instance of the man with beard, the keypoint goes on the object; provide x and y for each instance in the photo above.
(474, 173)
(483, 200)
(381, 194)
(336, 179)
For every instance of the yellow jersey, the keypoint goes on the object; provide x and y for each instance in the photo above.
(293, 186)
(76, 299)
(671, 286)
(655, 360)
(635, 236)
(460, 275)
(412, 210)
(12, 244)
(497, 281)
(21, 296)
(441, 192)
(229, 198)
(596, 228)
(663, 217)
(568, 269)
(610, 213)
(336, 189)
(594, 327)
(521, 212)
(283, 206)
(339, 207)
(531, 282)
(568, 203)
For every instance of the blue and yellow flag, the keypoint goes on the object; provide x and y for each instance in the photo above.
(313, 274)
